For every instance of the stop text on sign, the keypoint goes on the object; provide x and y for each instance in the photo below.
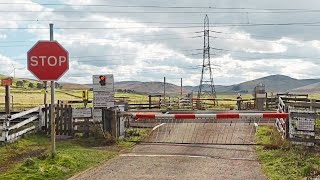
(47, 60)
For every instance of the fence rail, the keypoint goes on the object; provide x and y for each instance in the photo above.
(12, 127)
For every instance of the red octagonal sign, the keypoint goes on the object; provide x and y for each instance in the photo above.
(48, 60)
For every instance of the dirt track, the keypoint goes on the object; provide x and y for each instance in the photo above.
(182, 161)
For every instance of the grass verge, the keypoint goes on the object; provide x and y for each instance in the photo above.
(28, 158)
(280, 160)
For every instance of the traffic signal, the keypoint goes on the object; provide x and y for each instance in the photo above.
(102, 80)
(85, 96)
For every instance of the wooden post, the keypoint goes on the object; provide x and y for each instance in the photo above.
(86, 127)
(46, 118)
(56, 111)
(65, 119)
(50, 119)
(114, 124)
(12, 104)
(70, 121)
(7, 99)
(149, 101)
(106, 119)
(6, 123)
(61, 118)
(45, 92)
(312, 104)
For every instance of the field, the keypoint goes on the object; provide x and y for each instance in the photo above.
(25, 97)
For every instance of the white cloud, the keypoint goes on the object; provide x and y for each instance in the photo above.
(148, 54)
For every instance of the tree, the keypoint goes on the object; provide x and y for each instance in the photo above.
(31, 85)
(19, 84)
(39, 86)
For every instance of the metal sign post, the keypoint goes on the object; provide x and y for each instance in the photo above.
(53, 124)
(48, 61)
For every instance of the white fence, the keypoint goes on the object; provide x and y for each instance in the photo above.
(280, 122)
(16, 125)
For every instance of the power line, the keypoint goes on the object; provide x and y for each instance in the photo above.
(153, 22)
(315, 24)
(165, 12)
(106, 39)
(162, 7)
(98, 28)
(119, 55)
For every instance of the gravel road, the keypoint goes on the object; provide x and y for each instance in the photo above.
(184, 161)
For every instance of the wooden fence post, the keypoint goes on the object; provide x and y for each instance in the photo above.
(61, 118)
(114, 123)
(57, 118)
(71, 121)
(6, 125)
(106, 119)
(65, 119)
(46, 118)
(49, 117)
(41, 126)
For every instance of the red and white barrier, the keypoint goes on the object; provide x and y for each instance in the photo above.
(213, 116)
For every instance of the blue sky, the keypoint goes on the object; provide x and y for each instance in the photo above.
(255, 38)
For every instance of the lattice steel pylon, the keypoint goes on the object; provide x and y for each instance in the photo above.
(206, 74)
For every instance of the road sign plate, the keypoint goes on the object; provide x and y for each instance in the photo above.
(6, 82)
(48, 60)
(81, 112)
(103, 99)
(97, 115)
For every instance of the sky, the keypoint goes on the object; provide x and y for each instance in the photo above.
(146, 40)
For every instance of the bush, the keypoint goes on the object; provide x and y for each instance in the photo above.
(31, 85)
(39, 86)
(19, 84)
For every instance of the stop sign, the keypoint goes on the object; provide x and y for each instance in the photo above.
(48, 60)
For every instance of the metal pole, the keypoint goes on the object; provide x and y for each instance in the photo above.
(53, 124)
(164, 90)
(181, 89)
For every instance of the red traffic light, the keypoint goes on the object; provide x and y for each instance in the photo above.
(102, 81)
(102, 78)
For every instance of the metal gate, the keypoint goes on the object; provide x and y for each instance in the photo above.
(219, 129)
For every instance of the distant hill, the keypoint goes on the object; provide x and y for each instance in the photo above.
(149, 87)
(73, 86)
(273, 83)
(311, 88)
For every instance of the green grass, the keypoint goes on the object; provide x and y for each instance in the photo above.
(28, 158)
(282, 161)
(314, 96)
